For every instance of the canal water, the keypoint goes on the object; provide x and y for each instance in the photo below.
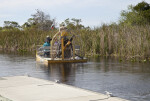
(124, 79)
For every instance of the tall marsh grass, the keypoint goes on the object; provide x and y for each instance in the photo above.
(17, 40)
(112, 40)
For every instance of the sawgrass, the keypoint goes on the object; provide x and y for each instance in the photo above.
(131, 42)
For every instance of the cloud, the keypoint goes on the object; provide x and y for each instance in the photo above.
(32, 3)
(88, 10)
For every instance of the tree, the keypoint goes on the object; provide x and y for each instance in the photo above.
(143, 9)
(136, 15)
(40, 21)
(30, 23)
(77, 23)
(11, 24)
(73, 24)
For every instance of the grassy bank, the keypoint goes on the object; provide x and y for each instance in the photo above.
(17, 40)
(130, 42)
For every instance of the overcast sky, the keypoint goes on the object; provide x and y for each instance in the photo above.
(92, 12)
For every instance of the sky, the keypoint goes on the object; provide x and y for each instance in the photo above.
(92, 12)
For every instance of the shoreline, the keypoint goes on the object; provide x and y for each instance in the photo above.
(137, 58)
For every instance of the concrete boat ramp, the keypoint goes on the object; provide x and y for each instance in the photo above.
(24, 88)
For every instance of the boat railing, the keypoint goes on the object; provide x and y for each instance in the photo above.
(78, 51)
(47, 51)
(43, 51)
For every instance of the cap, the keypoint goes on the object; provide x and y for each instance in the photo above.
(47, 36)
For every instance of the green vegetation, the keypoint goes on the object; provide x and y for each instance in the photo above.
(20, 40)
(136, 15)
(129, 39)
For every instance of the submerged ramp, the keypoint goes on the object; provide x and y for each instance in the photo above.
(23, 88)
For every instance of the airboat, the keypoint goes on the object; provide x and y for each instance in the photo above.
(60, 51)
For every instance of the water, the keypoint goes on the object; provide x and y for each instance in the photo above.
(126, 80)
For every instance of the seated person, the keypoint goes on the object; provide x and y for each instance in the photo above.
(47, 43)
(48, 39)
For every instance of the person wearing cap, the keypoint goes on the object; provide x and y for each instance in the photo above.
(48, 39)
(64, 34)
(46, 44)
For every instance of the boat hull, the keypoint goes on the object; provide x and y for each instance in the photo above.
(50, 61)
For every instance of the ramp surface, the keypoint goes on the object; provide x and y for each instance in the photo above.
(23, 88)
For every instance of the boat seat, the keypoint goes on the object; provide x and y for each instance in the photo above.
(44, 49)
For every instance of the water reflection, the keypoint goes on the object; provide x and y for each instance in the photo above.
(62, 72)
(124, 79)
